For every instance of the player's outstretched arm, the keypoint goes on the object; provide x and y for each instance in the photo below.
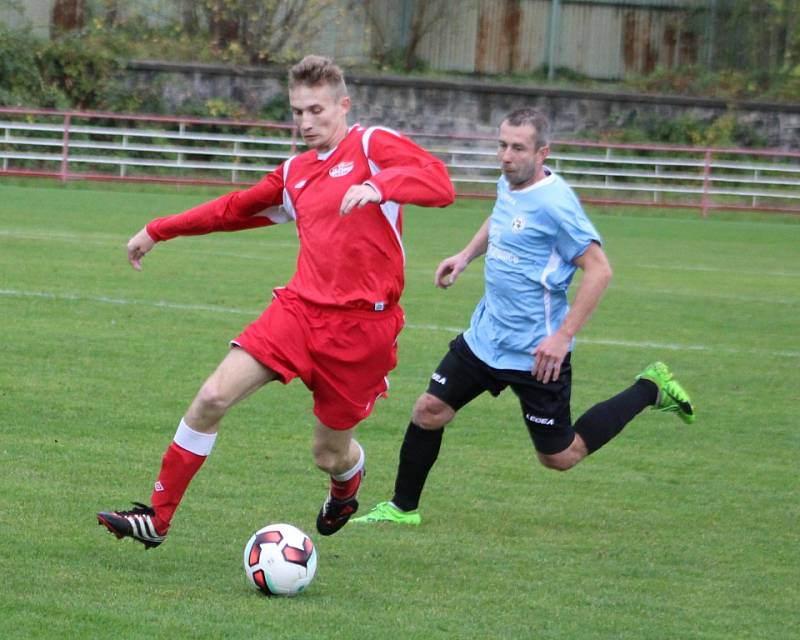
(138, 246)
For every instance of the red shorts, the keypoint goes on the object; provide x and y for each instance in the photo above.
(342, 356)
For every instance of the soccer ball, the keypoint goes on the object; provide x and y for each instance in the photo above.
(280, 560)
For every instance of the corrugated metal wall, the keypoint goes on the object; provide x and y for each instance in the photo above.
(609, 39)
(599, 40)
(489, 36)
(36, 13)
(451, 45)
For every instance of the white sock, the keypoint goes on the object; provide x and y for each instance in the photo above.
(198, 443)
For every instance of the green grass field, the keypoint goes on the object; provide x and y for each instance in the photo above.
(669, 532)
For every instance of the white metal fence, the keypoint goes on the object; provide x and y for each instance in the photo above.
(75, 145)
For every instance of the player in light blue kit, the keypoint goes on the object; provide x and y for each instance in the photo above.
(523, 330)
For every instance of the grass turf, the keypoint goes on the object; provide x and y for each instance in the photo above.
(669, 532)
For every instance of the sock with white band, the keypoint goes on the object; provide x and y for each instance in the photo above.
(182, 460)
(345, 485)
(194, 441)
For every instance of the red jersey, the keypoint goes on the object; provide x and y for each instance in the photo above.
(351, 261)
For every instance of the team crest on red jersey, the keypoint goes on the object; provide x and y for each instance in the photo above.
(341, 169)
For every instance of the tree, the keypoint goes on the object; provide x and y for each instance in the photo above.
(67, 15)
(417, 18)
(264, 30)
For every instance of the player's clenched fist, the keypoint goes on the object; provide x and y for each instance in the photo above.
(138, 246)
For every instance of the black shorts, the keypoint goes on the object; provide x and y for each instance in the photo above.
(461, 377)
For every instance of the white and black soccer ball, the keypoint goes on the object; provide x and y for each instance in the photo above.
(280, 560)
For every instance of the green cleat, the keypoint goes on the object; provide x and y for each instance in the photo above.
(387, 512)
(671, 395)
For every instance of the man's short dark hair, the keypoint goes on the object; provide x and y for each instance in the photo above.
(315, 71)
(532, 118)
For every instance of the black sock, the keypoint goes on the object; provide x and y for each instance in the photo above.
(607, 419)
(417, 455)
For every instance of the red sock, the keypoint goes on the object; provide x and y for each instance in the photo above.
(343, 489)
(178, 467)
(346, 485)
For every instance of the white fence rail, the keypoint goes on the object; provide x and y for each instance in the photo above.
(74, 145)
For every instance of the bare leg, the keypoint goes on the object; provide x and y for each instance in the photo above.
(335, 451)
(566, 459)
(236, 377)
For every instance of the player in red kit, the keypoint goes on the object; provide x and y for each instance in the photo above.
(335, 323)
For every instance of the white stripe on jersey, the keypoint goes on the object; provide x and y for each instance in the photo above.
(278, 214)
(553, 263)
(288, 205)
(368, 134)
(391, 210)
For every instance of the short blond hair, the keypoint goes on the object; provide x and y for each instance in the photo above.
(315, 71)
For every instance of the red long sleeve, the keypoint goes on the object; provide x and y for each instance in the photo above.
(406, 173)
(234, 211)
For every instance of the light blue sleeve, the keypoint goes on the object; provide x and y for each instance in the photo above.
(575, 231)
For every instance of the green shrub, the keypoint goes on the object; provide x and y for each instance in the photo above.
(722, 131)
(21, 83)
(729, 83)
(79, 66)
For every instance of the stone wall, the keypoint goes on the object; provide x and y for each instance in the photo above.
(469, 107)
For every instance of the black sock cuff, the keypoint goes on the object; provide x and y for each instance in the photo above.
(593, 438)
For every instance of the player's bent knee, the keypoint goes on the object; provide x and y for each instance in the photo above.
(324, 461)
(211, 399)
(557, 462)
(327, 458)
(562, 461)
(431, 413)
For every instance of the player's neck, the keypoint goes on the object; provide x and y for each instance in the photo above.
(329, 145)
(540, 175)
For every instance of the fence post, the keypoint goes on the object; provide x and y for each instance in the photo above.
(706, 183)
(294, 140)
(65, 148)
(552, 37)
(123, 166)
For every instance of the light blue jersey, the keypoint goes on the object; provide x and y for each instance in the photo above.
(535, 234)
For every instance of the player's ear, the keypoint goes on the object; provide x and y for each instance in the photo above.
(345, 103)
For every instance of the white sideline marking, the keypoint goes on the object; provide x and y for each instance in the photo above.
(122, 301)
(416, 327)
(119, 241)
(687, 267)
